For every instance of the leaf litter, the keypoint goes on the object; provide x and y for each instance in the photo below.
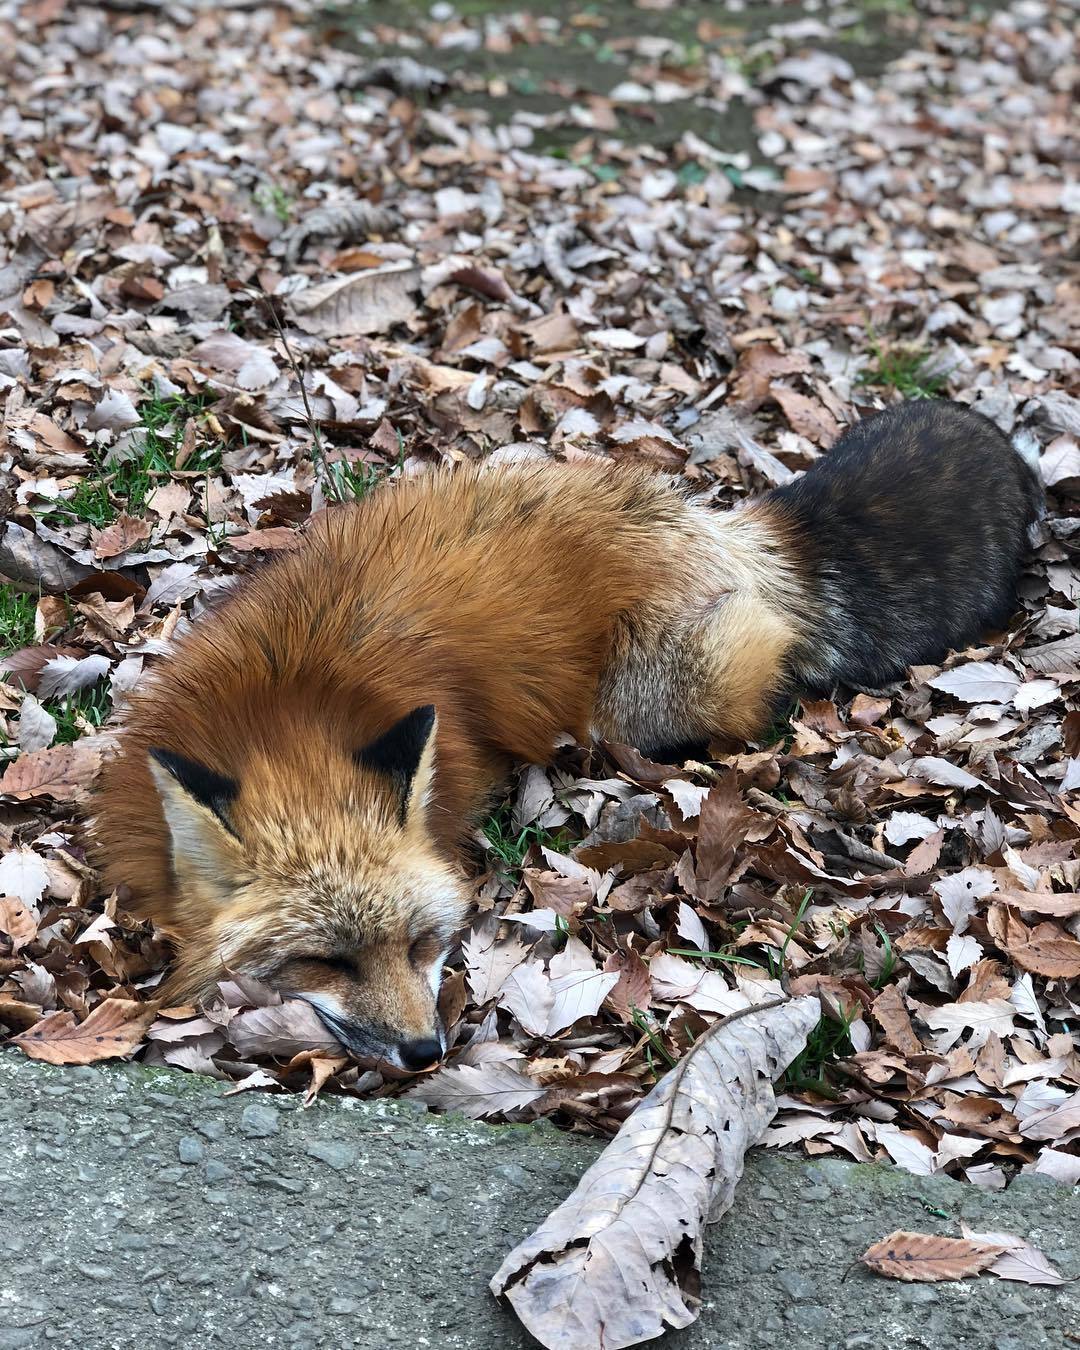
(237, 309)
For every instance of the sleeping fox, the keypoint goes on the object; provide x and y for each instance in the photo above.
(294, 787)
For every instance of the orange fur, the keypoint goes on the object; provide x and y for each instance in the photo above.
(522, 603)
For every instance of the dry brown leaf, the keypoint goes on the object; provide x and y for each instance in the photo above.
(367, 302)
(479, 1089)
(892, 1016)
(17, 920)
(62, 772)
(124, 533)
(928, 1257)
(602, 1269)
(113, 1029)
(1044, 950)
(758, 366)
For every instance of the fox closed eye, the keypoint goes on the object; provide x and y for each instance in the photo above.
(424, 949)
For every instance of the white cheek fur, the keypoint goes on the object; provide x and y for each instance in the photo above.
(435, 973)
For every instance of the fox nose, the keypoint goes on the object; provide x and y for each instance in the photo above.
(419, 1054)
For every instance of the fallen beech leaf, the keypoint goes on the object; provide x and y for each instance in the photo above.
(488, 962)
(1055, 1122)
(277, 537)
(1061, 905)
(285, 1029)
(941, 771)
(63, 772)
(65, 675)
(927, 1257)
(1021, 1261)
(602, 1269)
(18, 921)
(978, 682)
(23, 874)
(478, 1089)
(113, 1029)
(31, 561)
(806, 416)
(367, 302)
(1046, 950)
(124, 533)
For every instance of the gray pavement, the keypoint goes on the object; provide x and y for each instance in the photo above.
(142, 1208)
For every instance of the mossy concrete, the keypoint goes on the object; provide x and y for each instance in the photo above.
(144, 1208)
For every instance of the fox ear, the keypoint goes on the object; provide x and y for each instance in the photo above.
(406, 753)
(196, 802)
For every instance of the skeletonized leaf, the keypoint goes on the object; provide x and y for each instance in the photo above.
(927, 1257)
(113, 1029)
(369, 302)
(601, 1270)
(478, 1089)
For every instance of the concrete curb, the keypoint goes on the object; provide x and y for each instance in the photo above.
(141, 1208)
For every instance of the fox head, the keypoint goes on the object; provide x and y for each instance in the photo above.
(315, 871)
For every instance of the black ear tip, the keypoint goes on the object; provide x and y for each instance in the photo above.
(211, 789)
(399, 749)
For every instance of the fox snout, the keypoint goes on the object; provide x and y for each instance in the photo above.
(376, 1041)
(380, 1002)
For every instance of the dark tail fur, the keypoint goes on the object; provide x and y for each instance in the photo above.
(912, 532)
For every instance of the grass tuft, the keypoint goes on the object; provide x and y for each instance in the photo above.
(80, 713)
(16, 619)
(827, 1044)
(509, 846)
(904, 369)
(124, 484)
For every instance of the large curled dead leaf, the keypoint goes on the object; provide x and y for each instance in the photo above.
(927, 1257)
(620, 1259)
(113, 1029)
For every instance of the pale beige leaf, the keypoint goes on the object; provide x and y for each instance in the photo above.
(1021, 1261)
(489, 961)
(23, 874)
(284, 1030)
(369, 302)
(602, 1269)
(478, 1089)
